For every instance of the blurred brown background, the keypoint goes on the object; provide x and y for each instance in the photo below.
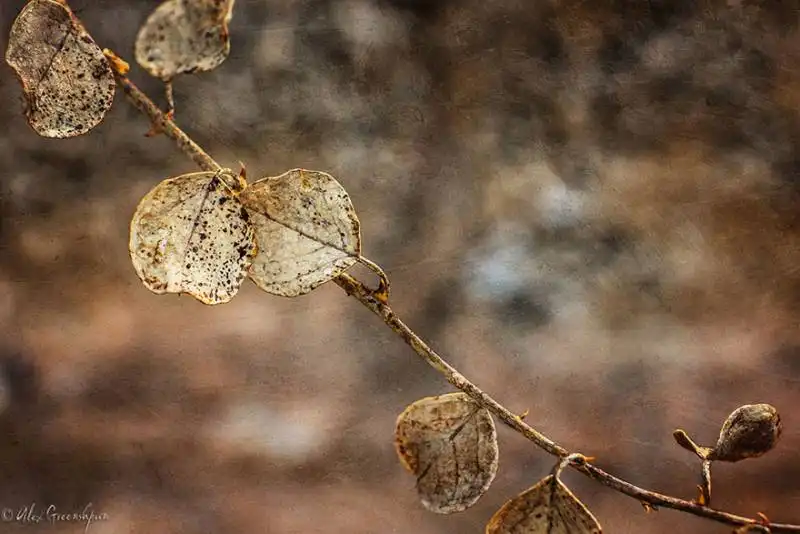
(591, 208)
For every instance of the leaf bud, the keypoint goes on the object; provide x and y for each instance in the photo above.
(750, 431)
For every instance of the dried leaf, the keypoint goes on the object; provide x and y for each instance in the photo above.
(190, 234)
(750, 431)
(67, 81)
(306, 229)
(450, 444)
(183, 36)
(549, 507)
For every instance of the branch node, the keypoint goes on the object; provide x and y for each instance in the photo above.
(118, 65)
(381, 293)
(648, 508)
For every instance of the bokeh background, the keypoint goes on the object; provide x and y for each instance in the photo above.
(590, 208)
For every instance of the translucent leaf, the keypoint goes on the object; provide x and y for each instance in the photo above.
(450, 444)
(67, 81)
(549, 507)
(184, 36)
(190, 234)
(306, 229)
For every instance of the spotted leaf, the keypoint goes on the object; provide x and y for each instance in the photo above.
(66, 79)
(183, 36)
(190, 234)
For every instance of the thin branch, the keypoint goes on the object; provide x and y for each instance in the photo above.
(360, 292)
(364, 295)
(162, 122)
(378, 305)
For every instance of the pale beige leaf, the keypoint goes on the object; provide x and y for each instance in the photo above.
(67, 82)
(306, 229)
(190, 234)
(183, 36)
(549, 507)
(450, 444)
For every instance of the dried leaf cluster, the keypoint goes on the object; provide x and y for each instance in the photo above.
(199, 233)
(449, 444)
(203, 233)
(290, 233)
(67, 80)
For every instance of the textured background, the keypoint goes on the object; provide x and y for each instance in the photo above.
(591, 208)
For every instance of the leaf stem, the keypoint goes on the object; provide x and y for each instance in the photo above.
(382, 293)
(373, 301)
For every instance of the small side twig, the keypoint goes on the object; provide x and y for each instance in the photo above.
(355, 288)
(170, 97)
(161, 121)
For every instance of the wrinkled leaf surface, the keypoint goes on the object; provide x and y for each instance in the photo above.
(450, 444)
(67, 82)
(183, 36)
(549, 507)
(306, 229)
(190, 234)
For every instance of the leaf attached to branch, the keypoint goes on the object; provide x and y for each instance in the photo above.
(749, 432)
(549, 507)
(450, 444)
(306, 229)
(183, 36)
(67, 81)
(190, 234)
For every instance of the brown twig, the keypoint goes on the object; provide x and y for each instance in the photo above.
(360, 292)
(377, 303)
(162, 122)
